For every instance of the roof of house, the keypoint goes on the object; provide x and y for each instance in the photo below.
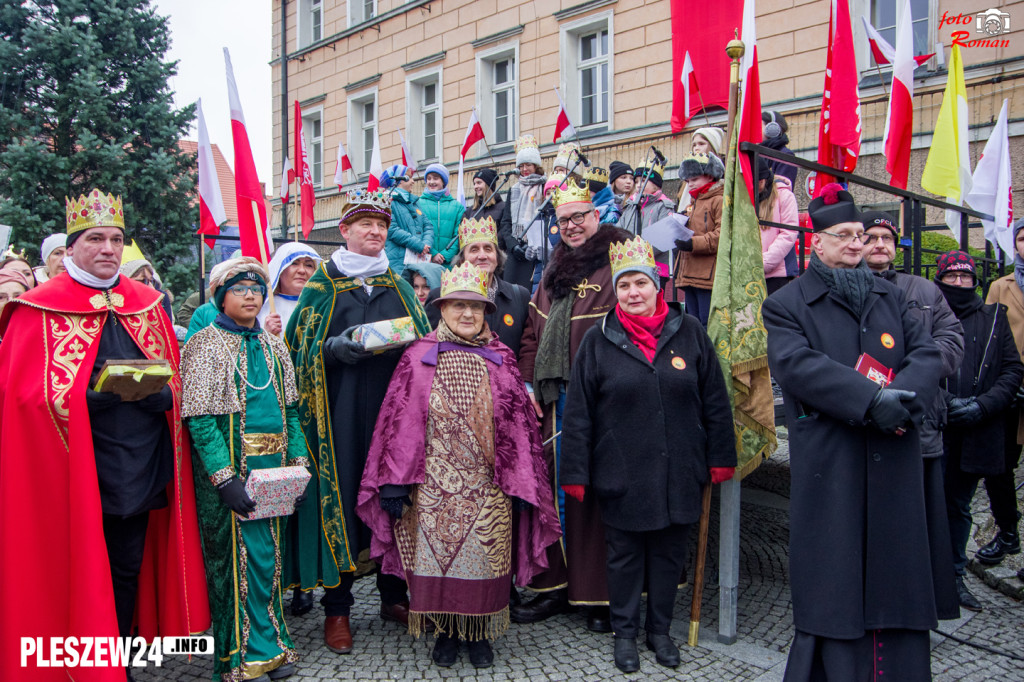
(225, 179)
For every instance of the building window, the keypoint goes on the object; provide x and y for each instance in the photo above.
(424, 115)
(313, 131)
(428, 119)
(368, 124)
(362, 115)
(361, 10)
(586, 55)
(311, 22)
(883, 18)
(498, 93)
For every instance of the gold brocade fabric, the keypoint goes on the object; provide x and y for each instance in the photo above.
(254, 444)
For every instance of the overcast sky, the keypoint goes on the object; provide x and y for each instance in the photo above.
(200, 29)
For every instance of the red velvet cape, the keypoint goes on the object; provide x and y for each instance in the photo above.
(54, 571)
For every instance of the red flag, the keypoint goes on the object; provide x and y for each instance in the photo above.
(344, 164)
(748, 118)
(307, 195)
(474, 133)
(408, 160)
(706, 46)
(211, 204)
(252, 206)
(563, 126)
(376, 166)
(839, 126)
(899, 120)
(287, 178)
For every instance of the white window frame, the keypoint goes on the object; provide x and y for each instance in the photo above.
(314, 145)
(485, 60)
(358, 153)
(305, 23)
(569, 35)
(357, 11)
(414, 124)
(865, 62)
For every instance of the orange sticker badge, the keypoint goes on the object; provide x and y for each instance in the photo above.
(678, 363)
(508, 320)
(554, 229)
(887, 340)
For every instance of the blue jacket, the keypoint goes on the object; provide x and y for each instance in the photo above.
(604, 202)
(445, 213)
(410, 229)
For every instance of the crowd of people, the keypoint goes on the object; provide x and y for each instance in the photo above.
(536, 413)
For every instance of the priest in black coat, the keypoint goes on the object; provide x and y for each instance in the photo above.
(860, 571)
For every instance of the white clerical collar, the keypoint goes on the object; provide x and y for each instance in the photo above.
(353, 264)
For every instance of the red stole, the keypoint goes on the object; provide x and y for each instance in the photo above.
(644, 331)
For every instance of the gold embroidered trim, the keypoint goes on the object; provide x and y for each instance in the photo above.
(255, 444)
(221, 475)
(107, 300)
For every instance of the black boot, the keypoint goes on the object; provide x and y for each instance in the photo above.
(446, 650)
(480, 653)
(302, 602)
(543, 606)
(665, 650)
(599, 619)
(627, 659)
(1002, 544)
(967, 600)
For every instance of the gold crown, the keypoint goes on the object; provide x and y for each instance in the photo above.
(95, 210)
(474, 230)
(596, 174)
(525, 142)
(654, 167)
(362, 201)
(574, 192)
(466, 278)
(630, 255)
(11, 253)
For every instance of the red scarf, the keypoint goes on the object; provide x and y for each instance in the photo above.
(644, 331)
(701, 190)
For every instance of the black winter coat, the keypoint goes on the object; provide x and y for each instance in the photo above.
(859, 553)
(991, 371)
(511, 303)
(641, 437)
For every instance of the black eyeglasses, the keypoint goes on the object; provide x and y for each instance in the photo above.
(576, 219)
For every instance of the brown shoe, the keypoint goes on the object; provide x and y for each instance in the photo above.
(337, 634)
(396, 613)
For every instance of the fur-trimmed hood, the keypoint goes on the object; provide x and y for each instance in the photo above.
(568, 265)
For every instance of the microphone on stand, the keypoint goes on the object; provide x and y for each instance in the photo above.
(514, 171)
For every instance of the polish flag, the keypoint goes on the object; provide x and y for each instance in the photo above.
(899, 120)
(376, 166)
(407, 157)
(839, 126)
(991, 188)
(474, 133)
(563, 126)
(287, 178)
(252, 206)
(307, 195)
(881, 50)
(689, 80)
(344, 164)
(211, 204)
(748, 118)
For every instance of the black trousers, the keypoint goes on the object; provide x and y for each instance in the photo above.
(656, 557)
(338, 601)
(126, 542)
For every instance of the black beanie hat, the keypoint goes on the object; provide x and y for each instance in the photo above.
(833, 206)
(617, 169)
(245, 275)
(879, 219)
(488, 175)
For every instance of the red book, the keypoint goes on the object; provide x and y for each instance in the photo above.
(874, 370)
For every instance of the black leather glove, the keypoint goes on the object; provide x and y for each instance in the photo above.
(887, 410)
(395, 506)
(233, 495)
(1019, 398)
(161, 401)
(343, 349)
(684, 245)
(96, 400)
(519, 251)
(300, 499)
(964, 412)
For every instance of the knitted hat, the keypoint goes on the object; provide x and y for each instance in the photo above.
(879, 219)
(393, 175)
(248, 269)
(616, 170)
(714, 136)
(696, 165)
(51, 244)
(652, 169)
(1017, 227)
(833, 206)
(955, 261)
(527, 151)
(488, 175)
(440, 170)
(764, 170)
(567, 155)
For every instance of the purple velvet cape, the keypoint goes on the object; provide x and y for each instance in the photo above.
(397, 457)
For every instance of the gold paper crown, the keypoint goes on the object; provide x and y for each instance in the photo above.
(95, 210)
(464, 278)
(630, 255)
(474, 230)
(567, 148)
(525, 142)
(574, 192)
(11, 253)
(362, 201)
(654, 166)
(596, 174)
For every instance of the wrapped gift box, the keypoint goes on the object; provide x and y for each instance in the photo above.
(274, 490)
(133, 379)
(380, 336)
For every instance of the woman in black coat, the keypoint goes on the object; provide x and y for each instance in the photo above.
(647, 421)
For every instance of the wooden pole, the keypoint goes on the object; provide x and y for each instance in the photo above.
(295, 195)
(698, 571)
(202, 271)
(261, 238)
(882, 79)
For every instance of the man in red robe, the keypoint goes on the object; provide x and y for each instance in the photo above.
(96, 501)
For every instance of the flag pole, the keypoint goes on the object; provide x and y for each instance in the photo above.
(703, 109)
(202, 271)
(295, 209)
(881, 79)
(261, 237)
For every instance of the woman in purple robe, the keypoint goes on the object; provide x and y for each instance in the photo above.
(456, 455)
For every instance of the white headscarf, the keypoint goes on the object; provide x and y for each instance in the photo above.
(285, 255)
(54, 241)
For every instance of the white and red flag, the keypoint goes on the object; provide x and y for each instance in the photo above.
(287, 178)
(688, 78)
(991, 188)
(211, 203)
(474, 133)
(899, 120)
(408, 160)
(748, 118)
(376, 165)
(563, 126)
(344, 164)
(252, 206)
(307, 195)
(881, 50)
(839, 126)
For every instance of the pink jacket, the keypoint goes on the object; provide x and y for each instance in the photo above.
(776, 242)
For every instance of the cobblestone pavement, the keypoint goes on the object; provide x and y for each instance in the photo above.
(562, 649)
